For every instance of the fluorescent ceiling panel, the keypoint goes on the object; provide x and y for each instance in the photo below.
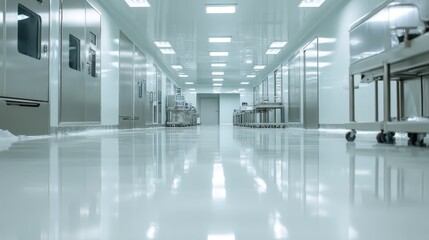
(273, 51)
(167, 51)
(241, 89)
(311, 3)
(177, 67)
(220, 39)
(137, 3)
(189, 83)
(218, 73)
(219, 54)
(218, 64)
(191, 89)
(244, 83)
(183, 75)
(259, 67)
(251, 76)
(217, 84)
(163, 44)
(278, 44)
(220, 9)
(217, 79)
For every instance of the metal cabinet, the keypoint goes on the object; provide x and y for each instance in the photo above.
(80, 67)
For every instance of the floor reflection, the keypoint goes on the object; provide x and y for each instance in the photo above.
(212, 182)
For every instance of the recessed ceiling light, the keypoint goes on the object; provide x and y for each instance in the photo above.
(167, 51)
(219, 54)
(218, 64)
(162, 44)
(183, 75)
(220, 9)
(244, 83)
(251, 76)
(177, 67)
(311, 3)
(217, 84)
(218, 73)
(220, 39)
(278, 44)
(137, 3)
(217, 79)
(191, 89)
(273, 51)
(241, 89)
(249, 61)
(259, 67)
(189, 83)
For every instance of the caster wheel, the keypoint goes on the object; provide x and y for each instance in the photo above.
(350, 137)
(389, 137)
(412, 139)
(380, 138)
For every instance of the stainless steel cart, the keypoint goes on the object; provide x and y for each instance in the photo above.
(403, 55)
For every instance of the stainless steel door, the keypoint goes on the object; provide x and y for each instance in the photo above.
(93, 65)
(139, 83)
(210, 111)
(2, 42)
(73, 62)
(126, 95)
(27, 41)
(311, 85)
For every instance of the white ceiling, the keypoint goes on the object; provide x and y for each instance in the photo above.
(187, 27)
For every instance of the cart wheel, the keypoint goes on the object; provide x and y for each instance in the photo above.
(412, 139)
(389, 137)
(351, 137)
(380, 137)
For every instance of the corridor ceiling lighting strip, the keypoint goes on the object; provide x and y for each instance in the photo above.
(259, 67)
(217, 79)
(219, 54)
(244, 83)
(218, 73)
(311, 3)
(220, 39)
(177, 67)
(251, 76)
(278, 44)
(163, 44)
(167, 51)
(217, 84)
(216, 9)
(189, 83)
(218, 64)
(274, 51)
(183, 75)
(137, 3)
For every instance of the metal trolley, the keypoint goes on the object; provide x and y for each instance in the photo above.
(262, 115)
(399, 62)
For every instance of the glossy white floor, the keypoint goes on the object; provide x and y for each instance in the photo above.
(212, 183)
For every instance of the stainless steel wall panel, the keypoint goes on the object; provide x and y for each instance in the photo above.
(73, 80)
(27, 42)
(295, 89)
(93, 65)
(126, 86)
(311, 85)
